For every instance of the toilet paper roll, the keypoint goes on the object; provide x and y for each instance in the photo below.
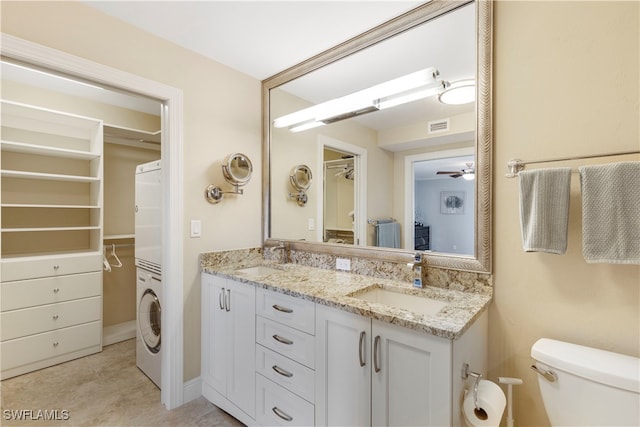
(491, 401)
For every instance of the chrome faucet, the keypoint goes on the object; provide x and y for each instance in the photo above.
(284, 246)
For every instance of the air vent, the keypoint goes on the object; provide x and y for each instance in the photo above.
(438, 126)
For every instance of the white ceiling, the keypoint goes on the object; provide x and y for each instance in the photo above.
(258, 38)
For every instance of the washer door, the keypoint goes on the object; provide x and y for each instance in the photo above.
(149, 320)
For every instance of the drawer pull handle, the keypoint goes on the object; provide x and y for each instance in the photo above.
(282, 340)
(281, 371)
(220, 299)
(281, 414)
(55, 317)
(55, 343)
(227, 301)
(376, 345)
(56, 290)
(281, 308)
(363, 362)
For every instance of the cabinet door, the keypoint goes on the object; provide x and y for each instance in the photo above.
(343, 368)
(241, 329)
(214, 333)
(411, 384)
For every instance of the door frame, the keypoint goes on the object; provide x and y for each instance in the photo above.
(172, 390)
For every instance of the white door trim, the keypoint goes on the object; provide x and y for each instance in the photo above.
(360, 164)
(172, 394)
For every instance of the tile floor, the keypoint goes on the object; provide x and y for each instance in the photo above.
(105, 389)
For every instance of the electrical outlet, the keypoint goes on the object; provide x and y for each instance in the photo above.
(343, 264)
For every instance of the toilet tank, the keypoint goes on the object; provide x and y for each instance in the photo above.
(592, 387)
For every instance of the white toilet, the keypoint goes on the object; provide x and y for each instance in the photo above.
(583, 386)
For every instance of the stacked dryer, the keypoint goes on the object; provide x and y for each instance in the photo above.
(148, 254)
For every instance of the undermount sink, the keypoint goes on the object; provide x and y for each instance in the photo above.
(414, 303)
(258, 270)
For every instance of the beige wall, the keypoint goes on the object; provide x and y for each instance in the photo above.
(566, 84)
(221, 114)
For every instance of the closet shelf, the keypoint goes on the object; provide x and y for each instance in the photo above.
(38, 229)
(36, 206)
(48, 176)
(43, 150)
(118, 236)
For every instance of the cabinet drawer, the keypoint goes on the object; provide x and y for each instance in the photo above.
(285, 372)
(289, 342)
(291, 311)
(29, 321)
(34, 348)
(276, 406)
(49, 290)
(31, 268)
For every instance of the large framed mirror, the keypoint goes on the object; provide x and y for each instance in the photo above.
(403, 165)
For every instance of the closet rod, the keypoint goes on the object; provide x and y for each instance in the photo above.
(516, 165)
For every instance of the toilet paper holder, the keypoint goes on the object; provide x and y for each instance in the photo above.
(466, 373)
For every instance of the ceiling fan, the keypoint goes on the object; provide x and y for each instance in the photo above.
(467, 173)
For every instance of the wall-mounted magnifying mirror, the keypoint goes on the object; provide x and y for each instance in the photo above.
(300, 179)
(237, 170)
(389, 119)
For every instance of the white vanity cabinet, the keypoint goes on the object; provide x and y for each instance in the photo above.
(285, 359)
(374, 373)
(228, 346)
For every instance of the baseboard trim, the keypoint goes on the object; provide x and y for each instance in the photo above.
(118, 332)
(192, 389)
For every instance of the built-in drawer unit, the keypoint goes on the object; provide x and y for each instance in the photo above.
(29, 321)
(34, 267)
(291, 311)
(287, 341)
(24, 354)
(49, 290)
(276, 405)
(287, 373)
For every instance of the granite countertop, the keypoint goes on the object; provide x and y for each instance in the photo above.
(339, 290)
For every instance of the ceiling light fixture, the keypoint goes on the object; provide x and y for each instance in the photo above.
(460, 92)
(401, 90)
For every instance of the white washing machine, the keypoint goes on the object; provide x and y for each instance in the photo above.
(148, 331)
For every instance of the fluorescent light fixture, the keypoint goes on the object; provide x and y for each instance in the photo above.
(460, 92)
(412, 95)
(410, 87)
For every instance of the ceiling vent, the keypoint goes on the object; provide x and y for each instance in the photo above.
(438, 126)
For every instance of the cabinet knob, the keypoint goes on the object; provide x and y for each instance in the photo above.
(55, 343)
(56, 290)
(55, 317)
(56, 267)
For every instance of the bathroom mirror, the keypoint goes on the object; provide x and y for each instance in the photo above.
(300, 177)
(374, 150)
(237, 169)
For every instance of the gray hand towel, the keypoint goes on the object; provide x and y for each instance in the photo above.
(544, 209)
(611, 213)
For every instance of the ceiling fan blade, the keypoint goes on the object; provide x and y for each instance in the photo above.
(458, 175)
(446, 172)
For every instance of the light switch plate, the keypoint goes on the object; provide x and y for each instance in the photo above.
(196, 228)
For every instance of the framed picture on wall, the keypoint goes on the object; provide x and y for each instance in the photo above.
(452, 202)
